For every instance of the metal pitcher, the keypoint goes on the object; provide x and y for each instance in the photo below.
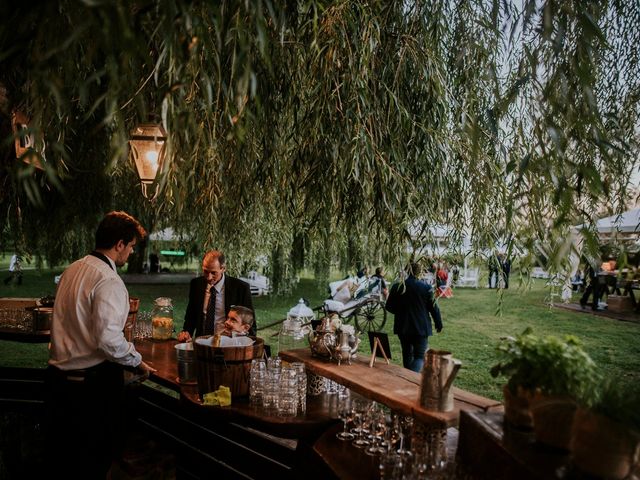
(438, 373)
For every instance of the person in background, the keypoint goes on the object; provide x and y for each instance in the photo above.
(505, 266)
(15, 270)
(154, 262)
(88, 354)
(577, 281)
(591, 272)
(362, 275)
(494, 266)
(383, 284)
(239, 321)
(443, 287)
(412, 303)
(211, 297)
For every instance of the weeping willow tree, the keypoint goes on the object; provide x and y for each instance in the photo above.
(349, 124)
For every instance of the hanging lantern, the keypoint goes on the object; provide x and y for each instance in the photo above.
(148, 150)
(25, 142)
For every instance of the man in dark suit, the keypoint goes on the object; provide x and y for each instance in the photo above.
(594, 288)
(211, 297)
(411, 303)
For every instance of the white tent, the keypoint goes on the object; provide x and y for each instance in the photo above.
(165, 235)
(627, 222)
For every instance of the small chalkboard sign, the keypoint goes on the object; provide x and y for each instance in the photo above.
(379, 343)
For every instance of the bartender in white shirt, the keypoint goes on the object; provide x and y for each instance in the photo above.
(88, 352)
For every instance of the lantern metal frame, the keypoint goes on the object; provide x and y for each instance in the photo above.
(25, 140)
(147, 148)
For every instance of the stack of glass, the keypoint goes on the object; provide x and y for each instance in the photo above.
(288, 400)
(302, 386)
(257, 380)
(279, 389)
(271, 390)
(142, 328)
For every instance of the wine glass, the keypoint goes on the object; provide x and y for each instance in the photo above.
(345, 412)
(378, 428)
(361, 419)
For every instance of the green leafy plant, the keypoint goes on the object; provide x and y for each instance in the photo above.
(619, 402)
(551, 365)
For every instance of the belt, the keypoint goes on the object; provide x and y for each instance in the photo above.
(80, 375)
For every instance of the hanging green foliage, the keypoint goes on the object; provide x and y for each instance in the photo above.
(354, 123)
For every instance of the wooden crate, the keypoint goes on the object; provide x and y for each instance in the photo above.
(619, 303)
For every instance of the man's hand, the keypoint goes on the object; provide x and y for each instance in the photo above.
(146, 369)
(439, 329)
(184, 336)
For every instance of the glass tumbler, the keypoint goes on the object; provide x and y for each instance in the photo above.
(301, 375)
(288, 399)
(257, 379)
(271, 391)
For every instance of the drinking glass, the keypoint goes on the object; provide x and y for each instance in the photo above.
(274, 363)
(437, 449)
(378, 429)
(361, 418)
(302, 385)
(406, 428)
(331, 387)
(288, 398)
(392, 465)
(257, 378)
(271, 392)
(345, 413)
(143, 325)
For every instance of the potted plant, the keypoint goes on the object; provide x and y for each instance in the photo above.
(605, 439)
(545, 376)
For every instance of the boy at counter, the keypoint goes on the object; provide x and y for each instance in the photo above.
(239, 321)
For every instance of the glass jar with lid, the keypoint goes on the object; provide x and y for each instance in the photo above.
(296, 327)
(162, 319)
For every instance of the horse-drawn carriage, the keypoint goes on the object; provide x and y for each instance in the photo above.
(359, 299)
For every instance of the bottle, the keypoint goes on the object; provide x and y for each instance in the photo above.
(162, 319)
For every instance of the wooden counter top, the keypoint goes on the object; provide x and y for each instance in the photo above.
(394, 386)
(321, 411)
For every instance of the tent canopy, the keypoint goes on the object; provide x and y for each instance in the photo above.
(627, 222)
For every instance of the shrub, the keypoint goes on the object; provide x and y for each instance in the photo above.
(552, 365)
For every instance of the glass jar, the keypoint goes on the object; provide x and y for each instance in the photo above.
(162, 319)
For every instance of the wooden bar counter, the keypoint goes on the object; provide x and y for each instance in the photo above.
(391, 385)
(283, 446)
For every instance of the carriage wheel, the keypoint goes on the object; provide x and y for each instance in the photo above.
(371, 317)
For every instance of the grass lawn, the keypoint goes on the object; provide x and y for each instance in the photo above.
(472, 326)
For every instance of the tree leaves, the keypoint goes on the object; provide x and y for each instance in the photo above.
(338, 120)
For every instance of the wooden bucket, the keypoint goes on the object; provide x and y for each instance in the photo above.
(130, 324)
(228, 366)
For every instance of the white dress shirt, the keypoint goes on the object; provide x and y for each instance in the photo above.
(91, 308)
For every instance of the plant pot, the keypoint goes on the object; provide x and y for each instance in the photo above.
(553, 419)
(517, 409)
(603, 447)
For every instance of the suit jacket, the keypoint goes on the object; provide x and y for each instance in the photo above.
(412, 303)
(236, 292)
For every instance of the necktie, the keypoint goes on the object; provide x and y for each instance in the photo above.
(210, 319)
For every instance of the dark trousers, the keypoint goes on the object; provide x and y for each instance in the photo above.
(413, 350)
(14, 275)
(592, 288)
(84, 420)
